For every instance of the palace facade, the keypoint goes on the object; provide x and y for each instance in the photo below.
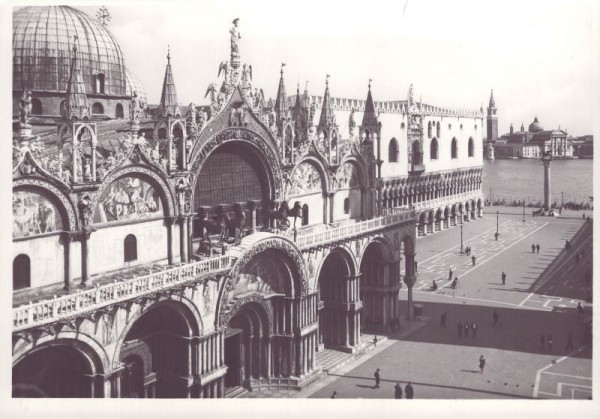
(210, 249)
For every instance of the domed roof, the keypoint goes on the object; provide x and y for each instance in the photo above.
(535, 126)
(135, 85)
(42, 49)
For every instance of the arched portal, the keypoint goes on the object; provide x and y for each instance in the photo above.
(156, 352)
(60, 370)
(248, 348)
(338, 287)
(240, 195)
(422, 226)
(378, 288)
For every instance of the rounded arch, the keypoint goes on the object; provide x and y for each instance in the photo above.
(93, 351)
(261, 147)
(454, 148)
(433, 149)
(154, 177)
(321, 167)
(359, 165)
(21, 272)
(393, 151)
(383, 245)
(36, 107)
(97, 108)
(186, 309)
(56, 195)
(253, 246)
(119, 113)
(342, 254)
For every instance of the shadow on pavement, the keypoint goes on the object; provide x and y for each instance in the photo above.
(520, 329)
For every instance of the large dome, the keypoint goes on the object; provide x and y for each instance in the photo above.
(42, 48)
(535, 126)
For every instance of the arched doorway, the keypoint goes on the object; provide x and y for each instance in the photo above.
(36, 107)
(338, 286)
(21, 272)
(248, 348)
(157, 351)
(119, 111)
(55, 371)
(430, 222)
(378, 288)
(422, 226)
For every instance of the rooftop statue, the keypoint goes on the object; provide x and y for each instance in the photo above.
(235, 37)
(25, 109)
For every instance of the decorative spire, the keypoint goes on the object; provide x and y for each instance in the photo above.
(168, 98)
(306, 96)
(76, 103)
(280, 102)
(492, 101)
(327, 118)
(369, 117)
(298, 103)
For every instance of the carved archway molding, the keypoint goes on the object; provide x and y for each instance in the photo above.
(137, 169)
(268, 155)
(261, 242)
(236, 304)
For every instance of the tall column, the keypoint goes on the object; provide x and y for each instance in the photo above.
(85, 255)
(331, 207)
(170, 154)
(183, 152)
(170, 222)
(183, 238)
(68, 240)
(253, 205)
(409, 280)
(546, 160)
(326, 205)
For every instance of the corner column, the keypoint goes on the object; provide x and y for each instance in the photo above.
(409, 280)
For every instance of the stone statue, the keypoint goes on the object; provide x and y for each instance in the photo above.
(235, 37)
(87, 170)
(351, 123)
(410, 95)
(135, 108)
(25, 109)
(85, 210)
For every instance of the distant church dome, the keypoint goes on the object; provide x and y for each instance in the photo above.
(535, 126)
(42, 48)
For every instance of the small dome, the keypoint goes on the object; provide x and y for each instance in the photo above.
(135, 85)
(535, 126)
(42, 50)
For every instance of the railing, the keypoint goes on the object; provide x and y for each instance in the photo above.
(47, 311)
(394, 216)
(440, 202)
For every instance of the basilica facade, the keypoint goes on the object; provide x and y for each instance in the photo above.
(207, 250)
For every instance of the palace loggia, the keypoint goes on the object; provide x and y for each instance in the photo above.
(195, 251)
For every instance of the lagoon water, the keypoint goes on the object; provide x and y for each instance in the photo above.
(524, 179)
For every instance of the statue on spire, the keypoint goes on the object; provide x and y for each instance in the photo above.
(235, 38)
(410, 95)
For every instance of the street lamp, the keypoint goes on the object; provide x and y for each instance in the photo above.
(461, 241)
(523, 211)
(497, 214)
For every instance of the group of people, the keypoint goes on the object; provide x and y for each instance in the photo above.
(466, 327)
(454, 283)
(408, 389)
(546, 342)
(535, 247)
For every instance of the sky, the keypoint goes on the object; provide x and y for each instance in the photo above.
(536, 55)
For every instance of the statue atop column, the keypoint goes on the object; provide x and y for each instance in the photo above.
(235, 39)
(351, 124)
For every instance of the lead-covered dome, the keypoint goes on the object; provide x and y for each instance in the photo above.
(535, 126)
(42, 48)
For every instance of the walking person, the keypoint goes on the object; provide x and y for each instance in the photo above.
(569, 341)
(459, 328)
(398, 390)
(408, 390)
(481, 363)
(533, 248)
(450, 275)
(474, 330)
(467, 327)
(496, 235)
(443, 320)
(537, 247)
(473, 258)
(542, 343)
(334, 395)
(377, 378)
(495, 316)
(503, 278)
(550, 342)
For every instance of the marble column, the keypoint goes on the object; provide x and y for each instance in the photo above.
(409, 280)
(169, 221)
(85, 255)
(183, 237)
(546, 160)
